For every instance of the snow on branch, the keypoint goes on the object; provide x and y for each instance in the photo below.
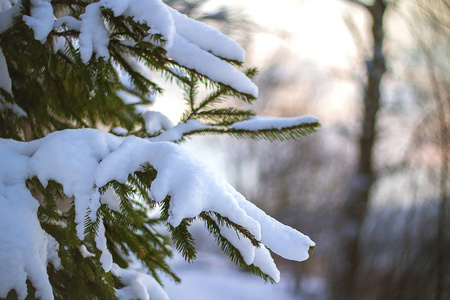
(41, 19)
(85, 160)
(137, 285)
(25, 248)
(112, 181)
(94, 37)
(258, 123)
(189, 43)
(7, 15)
(257, 127)
(209, 39)
(5, 84)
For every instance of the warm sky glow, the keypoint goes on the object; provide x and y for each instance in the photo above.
(296, 32)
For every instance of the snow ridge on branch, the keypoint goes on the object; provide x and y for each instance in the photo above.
(85, 160)
(190, 43)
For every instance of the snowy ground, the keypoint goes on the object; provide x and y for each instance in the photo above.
(212, 277)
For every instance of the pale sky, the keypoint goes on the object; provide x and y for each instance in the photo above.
(313, 31)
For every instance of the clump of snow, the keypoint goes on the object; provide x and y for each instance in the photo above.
(265, 262)
(41, 19)
(138, 285)
(5, 83)
(16, 109)
(119, 131)
(177, 132)
(264, 122)
(5, 80)
(59, 44)
(260, 257)
(206, 37)
(241, 243)
(85, 252)
(4, 5)
(70, 22)
(94, 37)
(193, 57)
(100, 240)
(111, 199)
(7, 14)
(151, 12)
(25, 249)
(71, 158)
(281, 239)
(156, 121)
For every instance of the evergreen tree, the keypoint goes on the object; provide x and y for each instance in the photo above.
(78, 205)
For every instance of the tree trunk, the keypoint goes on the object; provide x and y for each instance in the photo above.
(357, 199)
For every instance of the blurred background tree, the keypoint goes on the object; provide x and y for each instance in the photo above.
(374, 195)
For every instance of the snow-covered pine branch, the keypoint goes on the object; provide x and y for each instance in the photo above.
(79, 205)
(187, 41)
(85, 160)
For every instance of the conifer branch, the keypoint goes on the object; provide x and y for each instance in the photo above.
(232, 252)
(282, 134)
(61, 84)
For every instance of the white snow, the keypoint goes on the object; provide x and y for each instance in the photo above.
(188, 42)
(206, 37)
(120, 131)
(193, 57)
(85, 252)
(264, 122)
(192, 187)
(281, 239)
(70, 22)
(94, 37)
(7, 14)
(265, 262)
(59, 44)
(71, 158)
(138, 285)
(156, 121)
(100, 240)
(25, 249)
(212, 277)
(5, 80)
(41, 19)
(4, 5)
(16, 109)
(84, 160)
(111, 199)
(151, 12)
(177, 132)
(243, 244)
(5, 83)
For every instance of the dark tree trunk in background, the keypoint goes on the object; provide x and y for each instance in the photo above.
(357, 199)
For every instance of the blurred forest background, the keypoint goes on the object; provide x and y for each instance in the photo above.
(370, 188)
